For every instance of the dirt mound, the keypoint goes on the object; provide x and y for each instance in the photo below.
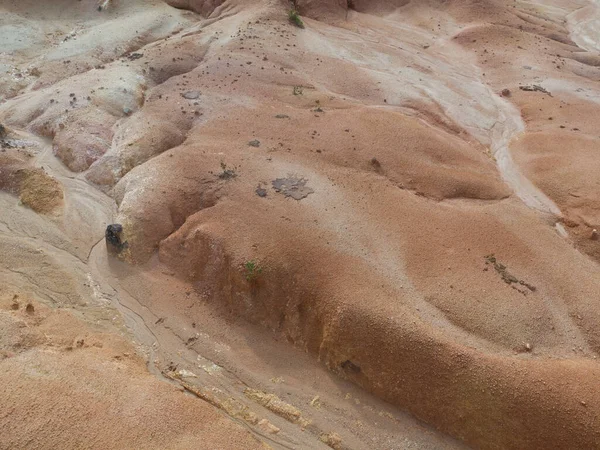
(204, 7)
(35, 188)
(69, 385)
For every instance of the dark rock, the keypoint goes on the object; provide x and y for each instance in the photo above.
(134, 56)
(261, 192)
(114, 244)
(535, 88)
(254, 143)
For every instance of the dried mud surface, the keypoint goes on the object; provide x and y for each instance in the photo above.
(376, 231)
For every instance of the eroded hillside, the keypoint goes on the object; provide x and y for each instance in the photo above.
(376, 231)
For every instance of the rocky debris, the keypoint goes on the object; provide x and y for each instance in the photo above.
(3, 132)
(594, 235)
(261, 192)
(254, 143)
(186, 374)
(292, 187)
(534, 88)
(227, 173)
(192, 339)
(134, 56)
(507, 277)
(268, 427)
(191, 95)
(316, 402)
(217, 398)
(332, 439)
(276, 405)
(114, 244)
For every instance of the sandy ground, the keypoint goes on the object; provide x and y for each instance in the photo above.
(377, 231)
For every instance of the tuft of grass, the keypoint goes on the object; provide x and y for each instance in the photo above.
(253, 270)
(295, 18)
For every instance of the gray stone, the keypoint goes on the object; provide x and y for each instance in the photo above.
(292, 187)
(191, 95)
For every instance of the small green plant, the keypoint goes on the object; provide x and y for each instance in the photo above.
(295, 18)
(298, 90)
(253, 270)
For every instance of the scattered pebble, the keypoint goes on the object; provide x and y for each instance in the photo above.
(261, 192)
(191, 95)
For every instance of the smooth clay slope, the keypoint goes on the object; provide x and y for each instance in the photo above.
(405, 190)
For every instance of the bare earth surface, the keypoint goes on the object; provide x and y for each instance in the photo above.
(377, 231)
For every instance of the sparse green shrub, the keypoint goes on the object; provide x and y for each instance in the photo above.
(298, 90)
(295, 18)
(253, 270)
